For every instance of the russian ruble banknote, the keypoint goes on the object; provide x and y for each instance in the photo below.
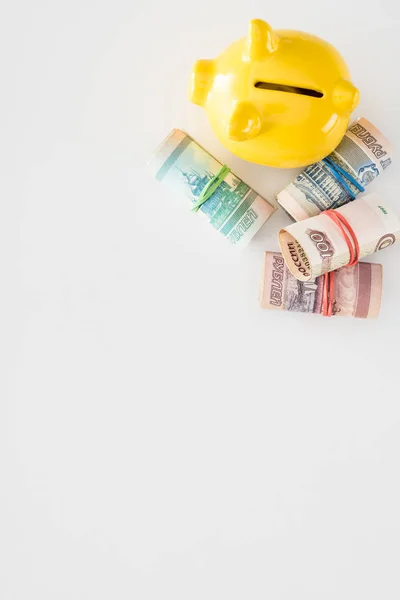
(364, 153)
(234, 209)
(358, 289)
(316, 246)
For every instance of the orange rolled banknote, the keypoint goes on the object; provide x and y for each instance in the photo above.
(358, 289)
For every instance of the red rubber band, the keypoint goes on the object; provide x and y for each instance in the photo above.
(328, 294)
(354, 252)
(352, 242)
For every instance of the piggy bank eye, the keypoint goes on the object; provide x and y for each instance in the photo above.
(291, 89)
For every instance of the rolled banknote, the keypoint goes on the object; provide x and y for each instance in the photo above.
(234, 209)
(363, 154)
(317, 245)
(357, 290)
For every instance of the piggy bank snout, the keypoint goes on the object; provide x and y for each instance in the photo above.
(345, 97)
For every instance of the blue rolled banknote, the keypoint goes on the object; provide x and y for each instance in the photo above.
(362, 155)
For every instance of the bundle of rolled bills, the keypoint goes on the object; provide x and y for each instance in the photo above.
(234, 209)
(358, 289)
(317, 245)
(363, 154)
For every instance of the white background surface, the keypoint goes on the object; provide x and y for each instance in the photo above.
(161, 436)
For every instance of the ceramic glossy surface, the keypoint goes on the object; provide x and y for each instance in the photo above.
(277, 98)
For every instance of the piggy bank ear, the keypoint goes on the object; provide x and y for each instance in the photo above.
(245, 122)
(201, 81)
(345, 97)
(261, 41)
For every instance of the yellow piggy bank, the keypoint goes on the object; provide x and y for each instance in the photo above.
(277, 98)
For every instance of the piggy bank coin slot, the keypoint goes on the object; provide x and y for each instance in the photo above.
(291, 89)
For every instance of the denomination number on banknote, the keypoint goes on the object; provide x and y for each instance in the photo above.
(321, 242)
(385, 241)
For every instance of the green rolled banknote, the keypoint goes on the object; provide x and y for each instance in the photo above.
(234, 209)
(358, 289)
(362, 155)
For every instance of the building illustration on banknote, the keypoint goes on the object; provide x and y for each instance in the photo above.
(300, 297)
(322, 186)
(225, 194)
